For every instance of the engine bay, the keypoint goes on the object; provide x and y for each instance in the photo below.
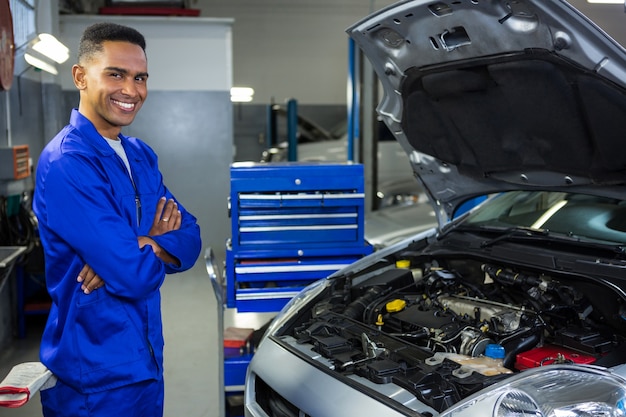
(443, 329)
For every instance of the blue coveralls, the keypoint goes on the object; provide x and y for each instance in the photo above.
(90, 212)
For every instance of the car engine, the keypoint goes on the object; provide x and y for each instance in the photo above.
(444, 329)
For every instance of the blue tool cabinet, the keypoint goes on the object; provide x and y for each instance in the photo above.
(292, 223)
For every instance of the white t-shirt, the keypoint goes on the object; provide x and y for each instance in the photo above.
(116, 144)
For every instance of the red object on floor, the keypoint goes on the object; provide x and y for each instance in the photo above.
(548, 355)
(237, 337)
(149, 11)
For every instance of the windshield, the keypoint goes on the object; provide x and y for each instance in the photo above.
(577, 215)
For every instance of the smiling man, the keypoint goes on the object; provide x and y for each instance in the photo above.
(111, 231)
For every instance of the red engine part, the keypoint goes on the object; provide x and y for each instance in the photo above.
(550, 354)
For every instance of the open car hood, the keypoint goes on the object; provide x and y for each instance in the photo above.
(488, 96)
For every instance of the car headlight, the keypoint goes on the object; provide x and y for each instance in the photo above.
(553, 391)
(294, 305)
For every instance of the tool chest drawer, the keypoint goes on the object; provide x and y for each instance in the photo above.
(296, 176)
(293, 270)
(267, 284)
(306, 225)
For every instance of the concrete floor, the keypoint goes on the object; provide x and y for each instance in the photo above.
(192, 343)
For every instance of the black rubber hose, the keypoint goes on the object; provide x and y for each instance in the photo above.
(513, 348)
(355, 309)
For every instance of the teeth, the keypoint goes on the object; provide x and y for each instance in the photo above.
(128, 106)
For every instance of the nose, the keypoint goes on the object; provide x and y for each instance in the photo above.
(130, 88)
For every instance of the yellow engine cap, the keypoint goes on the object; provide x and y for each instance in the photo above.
(395, 306)
(403, 263)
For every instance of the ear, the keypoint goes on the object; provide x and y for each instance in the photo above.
(78, 74)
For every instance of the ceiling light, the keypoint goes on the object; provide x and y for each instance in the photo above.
(241, 94)
(45, 52)
(40, 63)
(607, 2)
(50, 47)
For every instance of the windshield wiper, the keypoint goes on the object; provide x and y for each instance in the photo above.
(544, 235)
(514, 232)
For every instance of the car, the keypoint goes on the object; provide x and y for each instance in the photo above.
(514, 305)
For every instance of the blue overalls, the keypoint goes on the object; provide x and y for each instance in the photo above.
(90, 212)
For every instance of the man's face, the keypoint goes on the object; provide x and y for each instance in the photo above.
(113, 86)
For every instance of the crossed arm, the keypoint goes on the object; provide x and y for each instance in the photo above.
(166, 218)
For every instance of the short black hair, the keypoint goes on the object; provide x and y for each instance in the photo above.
(96, 34)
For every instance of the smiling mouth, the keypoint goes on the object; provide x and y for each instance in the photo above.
(124, 106)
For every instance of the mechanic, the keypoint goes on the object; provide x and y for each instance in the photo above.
(111, 231)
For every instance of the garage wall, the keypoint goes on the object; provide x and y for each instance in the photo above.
(291, 49)
(184, 53)
(610, 17)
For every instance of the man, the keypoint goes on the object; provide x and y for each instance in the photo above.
(111, 231)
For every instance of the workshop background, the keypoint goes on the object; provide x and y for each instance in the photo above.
(283, 49)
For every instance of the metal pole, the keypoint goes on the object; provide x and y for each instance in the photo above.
(292, 129)
(271, 126)
(214, 277)
(352, 100)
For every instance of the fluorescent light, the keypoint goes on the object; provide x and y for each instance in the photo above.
(45, 51)
(50, 47)
(41, 64)
(607, 2)
(241, 94)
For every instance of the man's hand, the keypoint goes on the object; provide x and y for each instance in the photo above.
(89, 279)
(166, 218)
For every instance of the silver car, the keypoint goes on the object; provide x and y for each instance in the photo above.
(517, 306)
